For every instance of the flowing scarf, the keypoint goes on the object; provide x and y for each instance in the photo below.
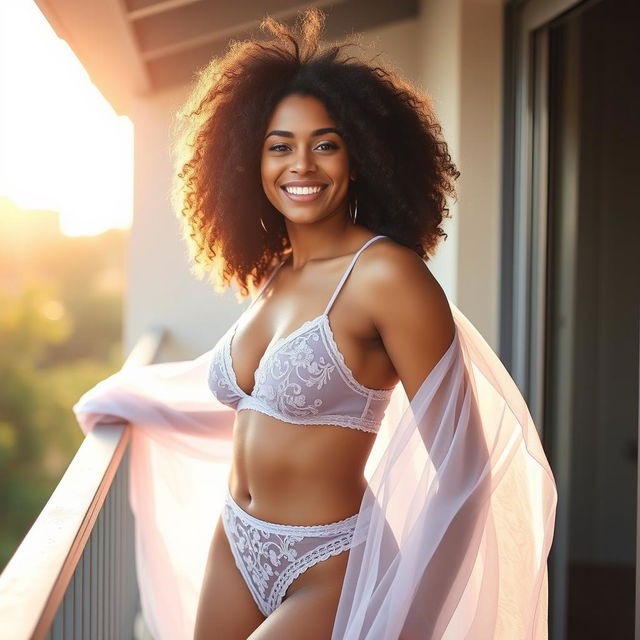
(453, 532)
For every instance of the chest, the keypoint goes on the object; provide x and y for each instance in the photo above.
(279, 336)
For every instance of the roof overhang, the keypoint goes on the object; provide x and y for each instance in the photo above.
(138, 47)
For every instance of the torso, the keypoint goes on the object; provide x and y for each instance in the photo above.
(305, 474)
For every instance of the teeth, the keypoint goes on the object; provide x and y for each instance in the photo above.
(302, 191)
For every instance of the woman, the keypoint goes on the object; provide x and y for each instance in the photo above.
(324, 179)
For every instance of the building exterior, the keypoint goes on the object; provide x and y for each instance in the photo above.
(538, 100)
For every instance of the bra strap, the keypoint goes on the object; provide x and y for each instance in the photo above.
(267, 281)
(345, 275)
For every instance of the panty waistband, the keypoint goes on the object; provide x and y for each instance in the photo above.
(321, 530)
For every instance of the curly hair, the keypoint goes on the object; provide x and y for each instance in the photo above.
(394, 142)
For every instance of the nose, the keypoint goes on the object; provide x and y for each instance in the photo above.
(303, 161)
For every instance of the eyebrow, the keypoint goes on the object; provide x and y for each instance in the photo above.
(289, 134)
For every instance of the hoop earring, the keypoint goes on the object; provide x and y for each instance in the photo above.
(262, 223)
(353, 215)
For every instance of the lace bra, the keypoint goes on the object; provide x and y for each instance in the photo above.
(301, 378)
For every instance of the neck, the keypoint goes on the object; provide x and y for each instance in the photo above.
(324, 241)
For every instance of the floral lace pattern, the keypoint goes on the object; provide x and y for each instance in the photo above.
(302, 378)
(271, 556)
(220, 378)
(295, 369)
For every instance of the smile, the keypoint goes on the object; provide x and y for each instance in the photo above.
(303, 194)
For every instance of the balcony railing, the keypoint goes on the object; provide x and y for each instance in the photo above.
(73, 575)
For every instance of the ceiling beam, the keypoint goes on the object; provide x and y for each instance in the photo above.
(102, 39)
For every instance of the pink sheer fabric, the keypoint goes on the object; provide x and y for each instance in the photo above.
(453, 532)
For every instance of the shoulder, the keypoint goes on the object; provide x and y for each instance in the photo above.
(393, 272)
(386, 263)
(408, 307)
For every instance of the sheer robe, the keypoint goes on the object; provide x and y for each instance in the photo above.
(453, 532)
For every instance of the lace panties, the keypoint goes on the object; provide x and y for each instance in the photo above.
(271, 556)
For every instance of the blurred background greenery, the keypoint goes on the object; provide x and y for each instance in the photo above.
(61, 304)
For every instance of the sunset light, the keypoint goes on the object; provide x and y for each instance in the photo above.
(62, 146)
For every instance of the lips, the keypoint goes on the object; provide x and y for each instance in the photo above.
(299, 186)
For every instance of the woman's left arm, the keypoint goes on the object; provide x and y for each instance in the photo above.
(414, 319)
(411, 313)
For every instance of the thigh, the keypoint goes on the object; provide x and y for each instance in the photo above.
(226, 609)
(313, 598)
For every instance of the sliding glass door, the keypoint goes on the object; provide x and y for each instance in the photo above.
(571, 299)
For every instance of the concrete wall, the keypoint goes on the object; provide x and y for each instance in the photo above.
(452, 51)
(439, 51)
(480, 157)
(461, 63)
(161, 290)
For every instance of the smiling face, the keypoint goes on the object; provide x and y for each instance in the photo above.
(304, 164)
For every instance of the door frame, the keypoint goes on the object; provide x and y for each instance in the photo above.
(524, 194)
(525, 255)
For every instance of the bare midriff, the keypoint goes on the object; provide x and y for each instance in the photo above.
(297, 474)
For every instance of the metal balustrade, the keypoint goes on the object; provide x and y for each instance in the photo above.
(101, 599)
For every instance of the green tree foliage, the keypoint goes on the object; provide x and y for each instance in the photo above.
(60, 333)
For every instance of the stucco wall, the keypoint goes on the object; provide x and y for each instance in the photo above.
(461, 68)
(480, 157)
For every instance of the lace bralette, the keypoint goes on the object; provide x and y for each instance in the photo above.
(301, 378)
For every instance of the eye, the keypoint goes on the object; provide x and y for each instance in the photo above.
(328, 145)
(278, 147)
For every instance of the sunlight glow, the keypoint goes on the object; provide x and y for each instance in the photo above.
(62, 146)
